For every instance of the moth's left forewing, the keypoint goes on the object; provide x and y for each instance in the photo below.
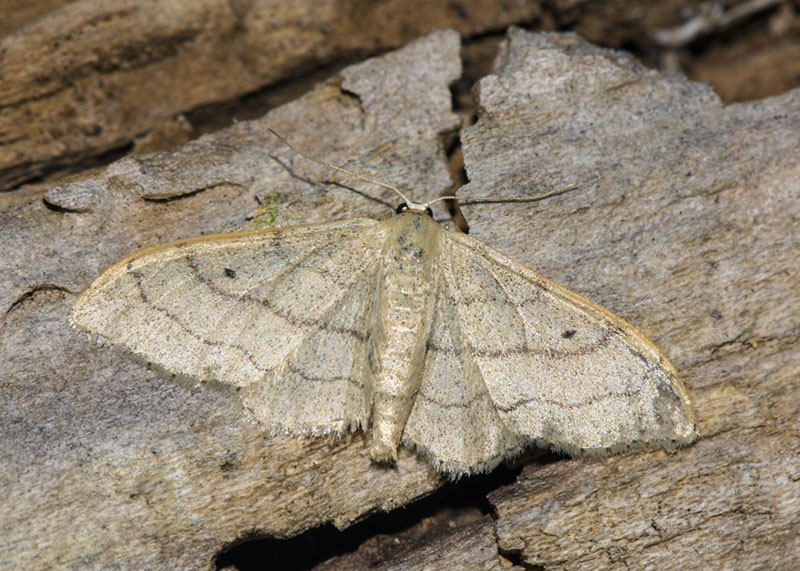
(562, 371)
(229, 307)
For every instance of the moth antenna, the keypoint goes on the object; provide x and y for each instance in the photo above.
(339, 169)
(533, 198)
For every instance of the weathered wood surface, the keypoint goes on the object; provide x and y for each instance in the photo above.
(455, 539)
(91, 76)
(683, 221)
(82, 79)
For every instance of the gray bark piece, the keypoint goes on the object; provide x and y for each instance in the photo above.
(684, 221)
(91, 76)
(104, 463)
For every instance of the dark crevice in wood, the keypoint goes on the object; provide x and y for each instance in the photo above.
(321, 543)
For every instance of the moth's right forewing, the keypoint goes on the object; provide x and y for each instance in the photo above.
(454, 422)
(562, 372)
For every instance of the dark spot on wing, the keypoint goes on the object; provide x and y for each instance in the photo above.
(230, 273)
(568, 333)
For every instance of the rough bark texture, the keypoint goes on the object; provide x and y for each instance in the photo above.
(682, 220)
(457, 540)
(91, 76)
(82, 79)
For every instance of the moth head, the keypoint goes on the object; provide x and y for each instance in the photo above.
(406, 207)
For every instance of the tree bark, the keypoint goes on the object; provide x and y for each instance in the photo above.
(681, 219)
(91, 77)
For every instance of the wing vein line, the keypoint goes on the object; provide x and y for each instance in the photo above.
(541, 288)
(245, 295)
(525, 349)
(275, 310)
(190, 331)
(471, 366)
(329, 313)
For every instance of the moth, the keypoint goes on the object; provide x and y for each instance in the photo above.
(416, 334)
